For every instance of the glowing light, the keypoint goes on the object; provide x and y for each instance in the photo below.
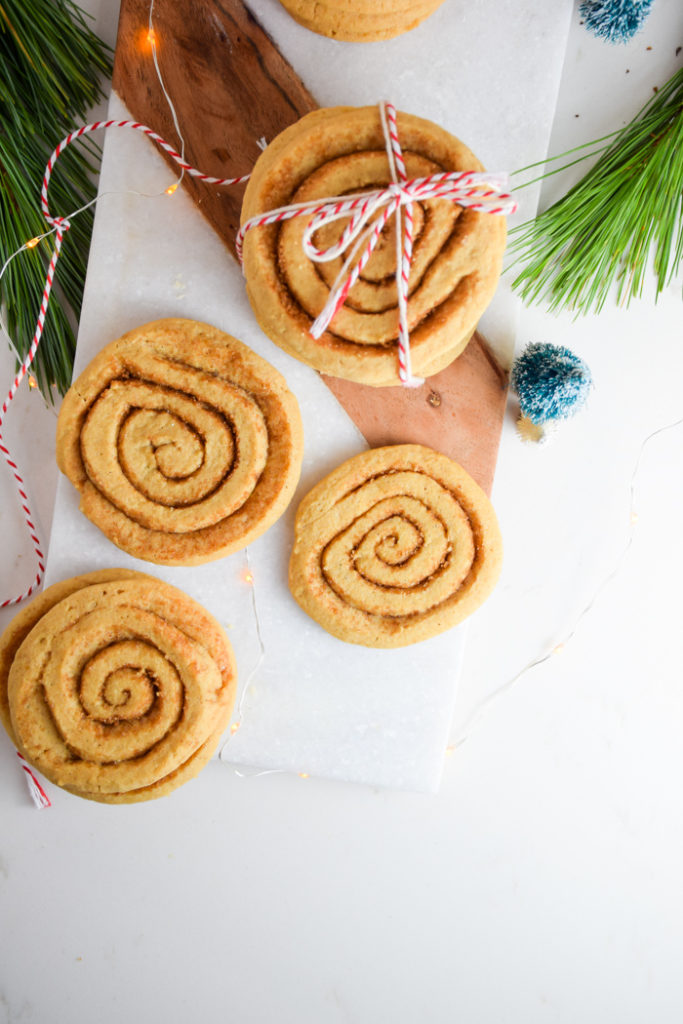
(147, 40)
(32, 243)
(303, 775)
(558, 649)
(32, 382)
(234, 727)
(171, 188)
(247, 576)
(634, 518)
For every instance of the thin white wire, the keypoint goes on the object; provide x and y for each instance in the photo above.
(485, 705)
(257, 665)
(174, 115)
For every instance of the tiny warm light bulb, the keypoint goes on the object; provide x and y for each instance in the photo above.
(152, 37)
(32, 382)
(247, 576)
(558, 649)
(32, 243)
(303, 775)
(634, 518)
(234, 727)
(171, 188)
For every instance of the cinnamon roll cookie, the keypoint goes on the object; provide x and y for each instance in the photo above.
(360, 21)
(184, 444)
(456, 262)
(116, 686)
(396, 545)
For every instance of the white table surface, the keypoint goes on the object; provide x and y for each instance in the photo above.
(542, 883)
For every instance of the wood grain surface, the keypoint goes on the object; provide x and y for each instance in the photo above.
(231, 87)
(229, 84)
(458, 411)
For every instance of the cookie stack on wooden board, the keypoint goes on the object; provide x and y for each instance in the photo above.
(456, 262)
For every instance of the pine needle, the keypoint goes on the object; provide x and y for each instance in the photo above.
(621, 219)
(50, 67)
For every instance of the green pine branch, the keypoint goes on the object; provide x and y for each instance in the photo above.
(51, 65)
(621, 219)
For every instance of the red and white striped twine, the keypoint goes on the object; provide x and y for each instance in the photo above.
(183, 164)
(59, 226)
(40, 797)
(369, 212)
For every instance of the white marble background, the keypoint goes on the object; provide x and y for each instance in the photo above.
(542, 883)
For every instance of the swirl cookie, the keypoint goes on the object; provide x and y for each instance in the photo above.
(184, 444)
(360, 21)
(457, 253)
(116, 686)
(396, 545)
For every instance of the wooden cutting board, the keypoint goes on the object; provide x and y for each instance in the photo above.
(231, 88)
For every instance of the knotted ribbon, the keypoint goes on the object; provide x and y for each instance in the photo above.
(369, 212)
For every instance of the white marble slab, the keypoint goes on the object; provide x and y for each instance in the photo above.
(312, 704)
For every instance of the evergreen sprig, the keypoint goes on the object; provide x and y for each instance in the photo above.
(622, 218)
(50, 68)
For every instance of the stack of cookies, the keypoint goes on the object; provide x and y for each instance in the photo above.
(116, 686)
(456, 262)
(360, 21)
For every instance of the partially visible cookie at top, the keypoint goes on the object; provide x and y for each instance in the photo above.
(184, 444)
(360, 21)
(456, 262)
(396, 545)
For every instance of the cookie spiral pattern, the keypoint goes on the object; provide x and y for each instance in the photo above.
(116, 686)
(184, 444)
(396, 545)
(360, 21)
(457, 253)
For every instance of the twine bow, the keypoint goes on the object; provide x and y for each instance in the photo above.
(369, 212)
